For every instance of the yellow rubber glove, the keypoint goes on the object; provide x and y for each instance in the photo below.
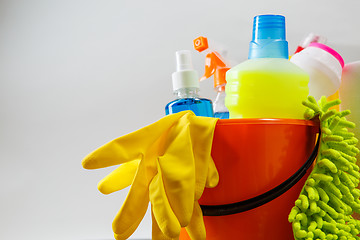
(169, 163)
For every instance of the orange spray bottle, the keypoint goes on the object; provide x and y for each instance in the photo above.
(217, 66)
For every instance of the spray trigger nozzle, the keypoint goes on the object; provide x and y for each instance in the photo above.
(213, 62)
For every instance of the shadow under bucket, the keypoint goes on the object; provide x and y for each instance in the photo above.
(260, 162)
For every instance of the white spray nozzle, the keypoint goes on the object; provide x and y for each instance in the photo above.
(185, 75)
(183, 60)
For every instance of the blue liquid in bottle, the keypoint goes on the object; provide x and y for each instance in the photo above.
(188, 99)
(221, 115)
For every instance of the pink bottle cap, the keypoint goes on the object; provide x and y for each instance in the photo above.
(329, 50)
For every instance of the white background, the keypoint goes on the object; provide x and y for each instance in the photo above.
(74, 74)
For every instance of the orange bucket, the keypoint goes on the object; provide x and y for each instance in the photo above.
(263, 165)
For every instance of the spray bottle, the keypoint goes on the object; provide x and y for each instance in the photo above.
(186, 87)
(267, 85)
(214, 65)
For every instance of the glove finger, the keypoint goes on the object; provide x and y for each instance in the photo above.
(129, 218)
(130, 146)
(196, 228)
(202, 133)
(134, 207)
(156, 232)
(201, 175)
(163, 214)
(178, 173)
(212, 179)
(120, 178)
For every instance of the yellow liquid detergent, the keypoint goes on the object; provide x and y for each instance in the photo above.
(266, 88)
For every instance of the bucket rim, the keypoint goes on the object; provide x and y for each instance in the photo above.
(269, 121)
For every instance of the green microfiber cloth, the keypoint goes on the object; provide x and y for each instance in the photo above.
(330, 195)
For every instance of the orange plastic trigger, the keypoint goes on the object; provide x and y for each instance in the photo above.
(214, 64)
(210, 66)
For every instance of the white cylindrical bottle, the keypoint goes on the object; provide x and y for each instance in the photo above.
(324, 66)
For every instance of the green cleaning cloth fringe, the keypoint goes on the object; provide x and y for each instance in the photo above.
(330, 195)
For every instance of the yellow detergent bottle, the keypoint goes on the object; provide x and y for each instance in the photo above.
(267, 85)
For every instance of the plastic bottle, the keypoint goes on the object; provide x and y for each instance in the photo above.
(349, 95)
(267, 85)
(214, 65)
(186, 87)
(324, 66)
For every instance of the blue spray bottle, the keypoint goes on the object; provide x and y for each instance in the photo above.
(186, 88)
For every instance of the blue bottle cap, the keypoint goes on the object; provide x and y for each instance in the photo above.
(269, 38)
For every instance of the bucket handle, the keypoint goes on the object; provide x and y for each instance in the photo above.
(251, 203)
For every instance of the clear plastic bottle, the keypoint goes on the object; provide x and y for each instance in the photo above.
(186, 89)
(220, 110)
(267, 85)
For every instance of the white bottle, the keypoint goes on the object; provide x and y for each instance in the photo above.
(324, 66)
